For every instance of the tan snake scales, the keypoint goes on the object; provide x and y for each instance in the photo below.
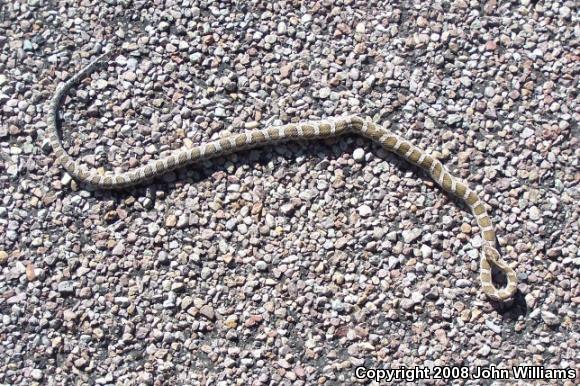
(307, 130)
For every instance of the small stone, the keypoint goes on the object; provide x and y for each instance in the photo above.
(270, 39)
(195, 57)
(231, 322)
(324, 93)
(242, 228)
(220, 112)
(442, 336)
(208, 312)
(153, 228)
(527, 133)
(36, 374)
(358, 155)
(30, 272)
(98, 333)
(410, 235)
(282, 28)
(466, 228)
(130, 76)
(178, 287)
(364, 211)
(416, 297)
(253, 320)
(171, 221)
(261, 265)
(69, 315)
(550, 319)
(489, 92)
(163, 26)
(287, 209)
(80, 363)
(285, 70)
(186, 302)
(493, 327)
(354, 74)
(66, 287)
(118, 250)
(122, 300)
(453, 118)
(484, 350)
(426, 251)
(491, 45)
(463, 283)
(407, 304)
(101, 84)
(66, 179)
(534, 213)
(565, 12)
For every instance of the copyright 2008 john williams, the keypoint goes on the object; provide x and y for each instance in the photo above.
(410, 374)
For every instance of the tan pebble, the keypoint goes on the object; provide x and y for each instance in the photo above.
(3, 257)
(466, 228)
(170, 221)
(231, 323)
(69, 315)
(30, 274)
(441, 336)
(466, 315)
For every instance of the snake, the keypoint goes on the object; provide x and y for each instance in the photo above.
(308, 130)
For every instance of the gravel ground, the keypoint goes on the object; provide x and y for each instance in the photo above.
(293, 264)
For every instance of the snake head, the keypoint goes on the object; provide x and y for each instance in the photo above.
(490, 258)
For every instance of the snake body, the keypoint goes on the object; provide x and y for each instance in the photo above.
(325, 128)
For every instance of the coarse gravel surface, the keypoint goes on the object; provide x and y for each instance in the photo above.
(292, 264)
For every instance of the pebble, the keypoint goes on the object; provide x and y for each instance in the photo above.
(365, 211)
(358, 155)
(565, 12)
(484, 350)
(492, 326)
(466, 228)
(208, 312)
(410, 235)
(130, 76)
(101, 84)
(3, 257)
(489, 92)
(453, 119)
(118, 250)
(527, 133)
(550, 319)
(36, 374)
(66, 287)
(261, 265)
(324, 93)
(534, 213)
(287, 209)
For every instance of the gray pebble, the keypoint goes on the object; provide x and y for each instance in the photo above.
(550, 319)
(66, 287)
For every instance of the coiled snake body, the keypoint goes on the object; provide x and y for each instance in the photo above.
(301, 131)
